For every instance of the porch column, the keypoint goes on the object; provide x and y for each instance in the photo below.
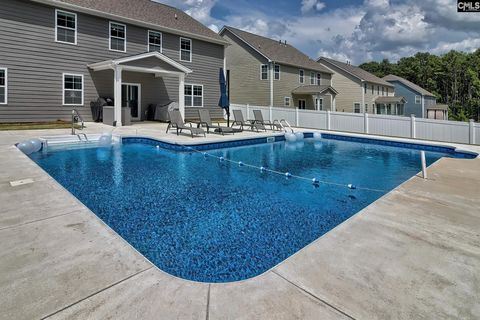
(181, 94)
(117, 93)
(334, 106)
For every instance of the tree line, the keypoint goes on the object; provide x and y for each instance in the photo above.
(454, 78)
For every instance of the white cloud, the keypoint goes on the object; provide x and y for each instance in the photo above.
(311, 6)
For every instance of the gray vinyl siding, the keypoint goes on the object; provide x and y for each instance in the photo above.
(244, 63)
(36, 62)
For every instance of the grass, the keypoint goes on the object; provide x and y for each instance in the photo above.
(59, 124)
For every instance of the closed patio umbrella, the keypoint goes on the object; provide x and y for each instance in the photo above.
(223, 102)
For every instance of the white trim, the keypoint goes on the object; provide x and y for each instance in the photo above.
(419, 99)
(5, 86)
(63, 89)
(139, 106)
(301, 76)
(275, 72)
(110, 36)
(148, 40)
(56, 26)
(313, 78)
(203, 94)
(359, 107)
(180, 49)
(110, 64)
(261, 72)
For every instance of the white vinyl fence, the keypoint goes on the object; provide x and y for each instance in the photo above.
(385, 125)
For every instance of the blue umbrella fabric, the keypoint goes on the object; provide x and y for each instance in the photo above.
(223, 102)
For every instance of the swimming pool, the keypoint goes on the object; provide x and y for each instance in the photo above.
(203, 219)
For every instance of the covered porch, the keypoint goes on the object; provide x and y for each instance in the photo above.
(314, 97)
(390, 105)
(147, 78)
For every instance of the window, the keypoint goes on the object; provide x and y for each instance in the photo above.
(185, 49)
(301, 75)
(264, 72)
(319, 104)
(193, 95)
(418, 100)
(3, 86)
(118, 37)
(319, 78)
(154, 41)
(366, 108)
(301, 103)
(276, 74)
(383, 91)
(387, 91)
(65, 27)
(378, 90)
(72, 89)
(365, 88)
(356, 107)
(287, 101)
(373, 89)
(312, 77)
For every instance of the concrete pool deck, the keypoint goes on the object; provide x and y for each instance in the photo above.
(412, 254)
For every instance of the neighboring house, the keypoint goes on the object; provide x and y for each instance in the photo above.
(61, 54)
(358, 90)
(265, 72)
(419, 101)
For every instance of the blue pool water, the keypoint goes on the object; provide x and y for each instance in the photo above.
(202, 219)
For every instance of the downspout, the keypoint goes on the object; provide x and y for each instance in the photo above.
(423, 106)
(271, 64)
(363, 95)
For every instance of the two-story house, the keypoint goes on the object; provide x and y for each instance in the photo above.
(360, 91)
(419, 102)
(266, 72)
(61, 54)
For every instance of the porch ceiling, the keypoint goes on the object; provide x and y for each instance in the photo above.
(123, 64)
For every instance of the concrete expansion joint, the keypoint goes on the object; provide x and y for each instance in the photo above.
(207, 315)
(95, 293)
(38, 220)
(308, 293)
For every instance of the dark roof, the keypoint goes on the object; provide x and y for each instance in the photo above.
(356, 71)
(275, 51)
(396, 99)
(313, 89)
(409, 84)
(146, 11)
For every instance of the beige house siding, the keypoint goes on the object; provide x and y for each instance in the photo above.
(244, 63)
(351, 90)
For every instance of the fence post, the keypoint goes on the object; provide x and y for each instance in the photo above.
(270, 109)
(412, 127)
(296, 117)
(365, 122)
(328, 119)
(471, 131)
(248, 110)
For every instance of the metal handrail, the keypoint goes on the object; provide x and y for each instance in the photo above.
(75, 118)
(284, 123)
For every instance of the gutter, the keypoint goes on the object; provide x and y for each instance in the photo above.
(131, 21)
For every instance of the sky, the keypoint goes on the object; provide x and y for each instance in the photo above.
(354, 30)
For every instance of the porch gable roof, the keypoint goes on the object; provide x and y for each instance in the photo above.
(123, 62)
(313, 89)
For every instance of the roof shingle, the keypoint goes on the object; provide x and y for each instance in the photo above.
(149, 12)
(356, 71)
(276, 51)
(409, 84)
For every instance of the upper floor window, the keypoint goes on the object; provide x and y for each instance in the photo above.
(276, 74)
(118, 40)
(418, 99)
(319, 79)
(193, 95)
(312, 77)
(383, 91)
(72, 89)
(365, 88)
(264, 72)
(154, 41)
(3, 86)
(185, 49)
(301, 76)
(65, 27)
(378, 90)
(373, 89)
